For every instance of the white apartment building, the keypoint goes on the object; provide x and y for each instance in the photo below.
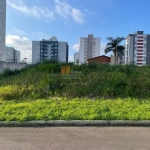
(76, 58)
(137, 49)
(2, 28)
(49, 49)
(12, 55)
(89, 48)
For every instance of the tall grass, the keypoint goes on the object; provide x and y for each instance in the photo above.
(44, 80)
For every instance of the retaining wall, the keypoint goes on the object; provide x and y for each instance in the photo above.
(11, 66)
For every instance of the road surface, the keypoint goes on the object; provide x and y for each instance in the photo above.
(75, 138)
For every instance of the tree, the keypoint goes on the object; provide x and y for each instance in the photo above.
(114, 46)
(77, 61)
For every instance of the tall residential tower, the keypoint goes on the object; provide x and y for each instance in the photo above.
(12, 55)
(137, 49)
(49, 49)
(89, 48)
(2, 28)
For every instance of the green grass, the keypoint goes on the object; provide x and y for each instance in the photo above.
(75, 109)
(43, 80)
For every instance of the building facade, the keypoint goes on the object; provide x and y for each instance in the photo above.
(137, 49)
(89, 48)
(49, 49)
(76, 58)
(2, 28)
(12, 55)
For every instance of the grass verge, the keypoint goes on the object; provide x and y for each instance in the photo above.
(75, 109)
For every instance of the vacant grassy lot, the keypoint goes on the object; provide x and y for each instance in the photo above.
(44, 80)
(104, 92)
(75, 109)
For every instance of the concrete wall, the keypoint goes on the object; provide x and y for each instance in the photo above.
(11, 66)
(112, 60)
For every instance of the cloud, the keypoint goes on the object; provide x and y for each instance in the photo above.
(90, 12)
(75, 47)
(102, 50)
(24, 45)
(61, 8)
(71, 58)
(41, 35)
(19, 31)
(65, 10)
(35, 11)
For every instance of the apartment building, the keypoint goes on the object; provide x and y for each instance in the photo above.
(49, 49)
(137, 49)
(2, 28)
(89, 48)
(12, 55)
(76, 58)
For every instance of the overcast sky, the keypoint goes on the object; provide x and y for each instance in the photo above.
(29, 20)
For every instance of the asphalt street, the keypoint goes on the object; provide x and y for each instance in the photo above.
(75, 138)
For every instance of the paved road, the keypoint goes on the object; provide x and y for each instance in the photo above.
(75, 138)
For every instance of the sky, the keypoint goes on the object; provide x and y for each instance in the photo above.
(30, 20)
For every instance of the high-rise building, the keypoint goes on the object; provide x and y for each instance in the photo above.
(76, 58)
(12, 55)
(2, 28)
(89, 48)
(137, 49)
(49, 49)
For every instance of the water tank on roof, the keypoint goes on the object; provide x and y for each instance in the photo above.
(53, 38)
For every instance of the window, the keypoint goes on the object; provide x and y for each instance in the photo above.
(1, 38)
(1, 25)
(1, 10)
(140, 36)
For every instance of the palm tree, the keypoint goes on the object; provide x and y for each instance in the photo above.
(114, 46)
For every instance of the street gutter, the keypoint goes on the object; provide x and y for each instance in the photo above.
(76, 123)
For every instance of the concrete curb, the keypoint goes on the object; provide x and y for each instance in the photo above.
(73, 123)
